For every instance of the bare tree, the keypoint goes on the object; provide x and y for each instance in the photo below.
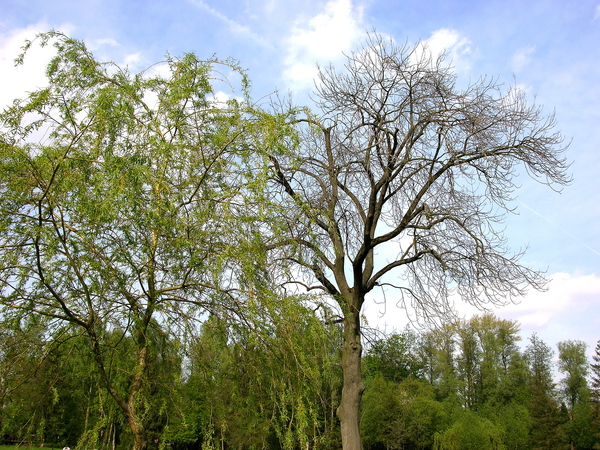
(400, 159)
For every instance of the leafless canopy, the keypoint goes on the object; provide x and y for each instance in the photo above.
(403, 179)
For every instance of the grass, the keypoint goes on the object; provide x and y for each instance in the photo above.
(25, 447)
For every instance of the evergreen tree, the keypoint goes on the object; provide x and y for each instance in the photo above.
(547, 426)
(595, 369)
(595, 393)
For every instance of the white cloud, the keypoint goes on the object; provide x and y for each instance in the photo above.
(567, 294)
(597, 13)
(453, 43)
(17, 81)
(219, 99)
(569, 309)
(321, 38)
(521, 58)
(133, 59)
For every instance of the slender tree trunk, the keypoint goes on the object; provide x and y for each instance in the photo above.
(139, 433)
(128, 407)
(87, 408)
(114, 436)
(349, 410)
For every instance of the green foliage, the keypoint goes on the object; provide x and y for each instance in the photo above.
(546, 420)
(580, 429)
(137, 302)
(393, 357)
(272, 382)
(470, 432)
(126, 203)
(572, 361)
(512, 419)
(400, 415)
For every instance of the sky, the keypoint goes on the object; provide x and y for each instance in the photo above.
(549, 48)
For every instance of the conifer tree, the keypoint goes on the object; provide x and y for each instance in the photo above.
(547, 431)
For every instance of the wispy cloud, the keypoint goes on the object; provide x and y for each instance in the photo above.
(597, 13)
(457, 47)
(97, 43)
(235, 27)
(521, 58)
(321, 38)
(133, 60)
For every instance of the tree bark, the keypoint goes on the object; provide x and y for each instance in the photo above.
(139, 434)
(349, 409)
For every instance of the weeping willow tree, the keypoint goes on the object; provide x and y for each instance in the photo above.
(122, 207)
(271, 382)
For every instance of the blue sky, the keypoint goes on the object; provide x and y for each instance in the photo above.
(550, 49)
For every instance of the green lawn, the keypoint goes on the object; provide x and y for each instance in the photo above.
(25, 447)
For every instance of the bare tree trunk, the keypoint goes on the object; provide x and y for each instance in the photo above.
(349, 409)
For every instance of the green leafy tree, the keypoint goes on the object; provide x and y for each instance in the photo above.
(595, 379)
(402, 415)
(438, 349)
(500, 377)
(378, 410)
(595, 392)
(581, 429)
(120, 197)
(27, 381)
(573, 362)
(477, 360)
(512, 419)
(399, 156)
(272, 383)
(470, 432)
(393, 357)
(547, 424)
(468, 363)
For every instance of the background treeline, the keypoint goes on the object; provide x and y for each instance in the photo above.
(275, 383)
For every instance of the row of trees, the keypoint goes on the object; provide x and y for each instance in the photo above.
(135, 207)
(466, 385)
(478, 389)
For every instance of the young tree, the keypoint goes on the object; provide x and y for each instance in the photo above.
(120, 197)
(595, 393)
(400, 182)
(393, 357)
(573, 362)
(547, 430)
(595, 368)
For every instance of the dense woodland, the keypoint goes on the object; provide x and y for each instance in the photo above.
(470, 384)
(181, 266)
